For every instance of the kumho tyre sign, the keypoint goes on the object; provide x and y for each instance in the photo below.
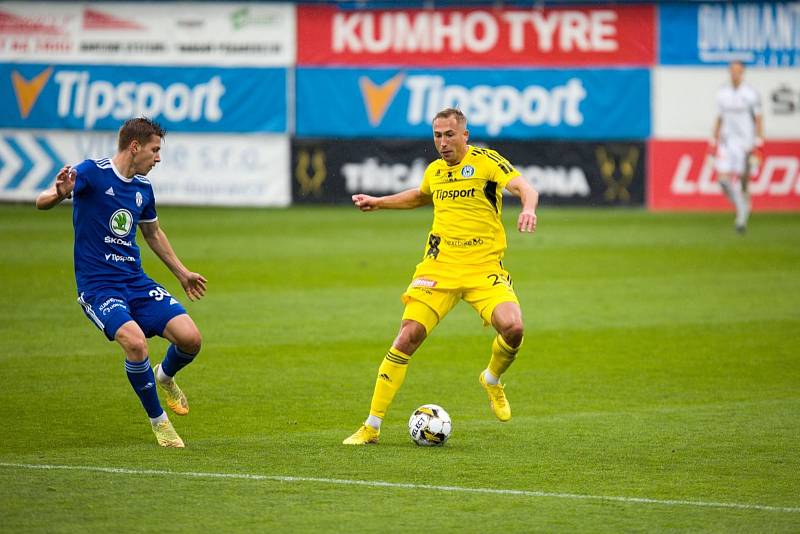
(613, 35)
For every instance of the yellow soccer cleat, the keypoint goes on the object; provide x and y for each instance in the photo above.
(175, 398)
(363, 436)
(166, 435)
(497, 399)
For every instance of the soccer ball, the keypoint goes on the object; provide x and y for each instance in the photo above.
(430, 426)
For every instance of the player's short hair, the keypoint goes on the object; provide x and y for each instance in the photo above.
(452, 112)
(138, 129)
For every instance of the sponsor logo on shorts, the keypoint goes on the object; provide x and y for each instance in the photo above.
(464, 243)
(423, 282)
(110, 304)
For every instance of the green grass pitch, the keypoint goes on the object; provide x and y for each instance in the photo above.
(658, 388)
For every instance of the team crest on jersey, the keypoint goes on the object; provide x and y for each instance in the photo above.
(121, 222)
(467, 171)
(138, 199)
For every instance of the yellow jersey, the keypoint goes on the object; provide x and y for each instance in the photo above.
(467, 204)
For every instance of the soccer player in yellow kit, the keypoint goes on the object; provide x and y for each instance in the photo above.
(463, 260)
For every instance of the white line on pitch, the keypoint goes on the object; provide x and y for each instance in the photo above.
(381, 484)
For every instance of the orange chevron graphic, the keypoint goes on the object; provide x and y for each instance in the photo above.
(377, 98)
(28, 91)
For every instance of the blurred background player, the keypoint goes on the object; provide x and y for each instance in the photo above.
(110, 198)
(737, 140)
(463, 260)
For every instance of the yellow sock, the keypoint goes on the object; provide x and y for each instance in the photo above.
(391, 374)
(503, 356)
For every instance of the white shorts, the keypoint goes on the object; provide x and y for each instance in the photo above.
(731, 157)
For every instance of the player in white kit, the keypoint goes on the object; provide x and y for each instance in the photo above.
(737, 140)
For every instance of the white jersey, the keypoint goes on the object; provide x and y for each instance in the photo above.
(738, 108)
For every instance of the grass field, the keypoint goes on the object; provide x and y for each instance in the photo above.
(658, 388)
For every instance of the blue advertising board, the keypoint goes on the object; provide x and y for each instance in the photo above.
(498, 103)
(713, 33)
(187, 99)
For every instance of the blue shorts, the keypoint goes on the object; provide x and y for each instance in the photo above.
(144, 301)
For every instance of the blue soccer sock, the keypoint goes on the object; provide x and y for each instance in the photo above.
(175, 360)
(140, 375)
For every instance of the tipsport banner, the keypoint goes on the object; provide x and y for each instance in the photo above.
(572, 35)
(196, 99)
(755, 33)
(563, 172)
(166, 33)
(508, 103)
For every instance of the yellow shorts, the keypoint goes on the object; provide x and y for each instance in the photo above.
(436, 288)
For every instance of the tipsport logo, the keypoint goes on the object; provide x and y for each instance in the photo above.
(494, 108)
(92, 100)
(28, 91)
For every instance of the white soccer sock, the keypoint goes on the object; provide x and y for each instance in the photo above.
(734, 193)
(374, 422)
(741, 206)
(161, 376)
(160, 419)
(746, 207)
(490, 378)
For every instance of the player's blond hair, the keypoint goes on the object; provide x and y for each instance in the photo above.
(446, 113)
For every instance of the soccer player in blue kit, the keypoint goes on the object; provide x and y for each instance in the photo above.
(110, 198)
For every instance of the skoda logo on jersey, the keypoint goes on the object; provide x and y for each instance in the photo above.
(121, 222)
(138, 199)
(467, 171)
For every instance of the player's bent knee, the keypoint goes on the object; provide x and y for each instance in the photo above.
(191, 342)
(411, 336)
(513, 334)
(184, 334)
(134, 345)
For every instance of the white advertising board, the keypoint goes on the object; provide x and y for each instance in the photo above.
(148, 33)
(195, 169)
(684, 100)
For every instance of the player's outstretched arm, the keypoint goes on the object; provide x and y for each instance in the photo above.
(65, 183)
(520, 187)
(193, 284)
(408, 199)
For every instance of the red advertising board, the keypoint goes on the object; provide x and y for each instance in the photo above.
(681, 176)
(568, 36)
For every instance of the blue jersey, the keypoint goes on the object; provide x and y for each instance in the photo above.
(107, 207)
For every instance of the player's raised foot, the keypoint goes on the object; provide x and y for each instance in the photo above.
(741, 229)
(497, 399)
(174, 396)
(166, 435)
(363, 436)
